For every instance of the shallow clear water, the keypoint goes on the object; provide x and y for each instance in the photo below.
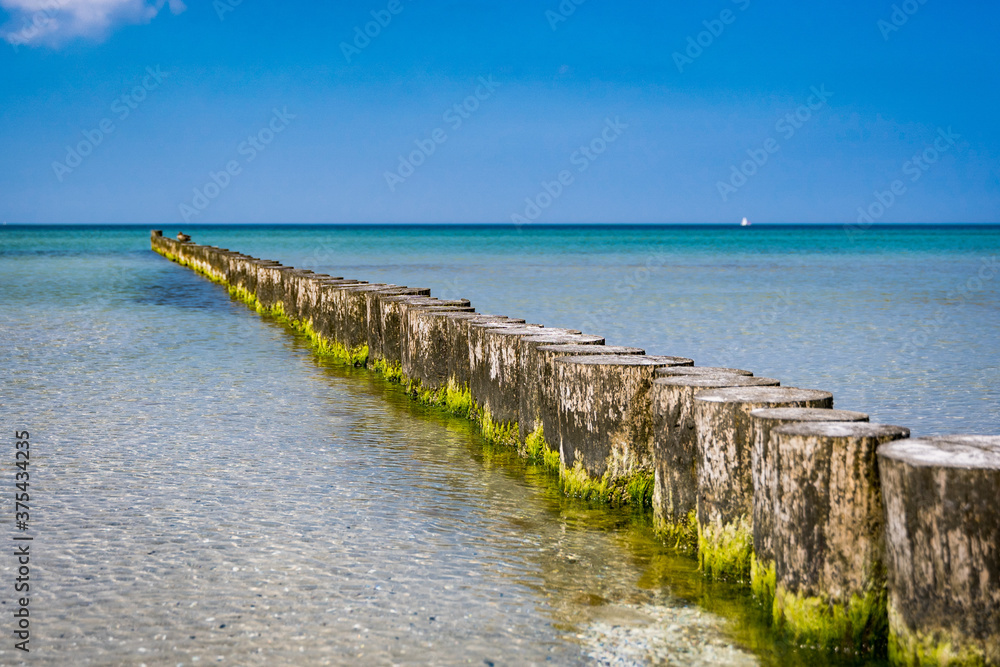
(204, 490)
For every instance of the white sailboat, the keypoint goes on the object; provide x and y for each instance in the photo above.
(745, 223)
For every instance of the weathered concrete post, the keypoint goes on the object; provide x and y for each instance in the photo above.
(675, 448)
(764, 469)
(942, 508)
(373, 306)
(495, 373)
(828, 533)
(428, 350)
(605, 424)
(725, 482)
(457, 327)
(531, 379)
(543, 410)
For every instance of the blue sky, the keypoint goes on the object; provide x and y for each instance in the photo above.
(598, 112)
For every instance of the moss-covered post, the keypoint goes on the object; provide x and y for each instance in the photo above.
(390, 310)
(764, 470)
(292, 282)
(373, 304)
(495, 373)
(427, 351)
(457, 327)
(352, 329)
(828, 534)
(393, 310)
(675, 448)
(325, 318)
(533, 378)
(725, 483)
(942, 509)
(541, 406)
(605, 425)
(269, 280)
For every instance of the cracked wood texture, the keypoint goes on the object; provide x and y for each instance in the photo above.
(764, 464)
(675, 443)
(828, 533)
(942, 505)
(605, 415)
(540, 400)
(725, 483)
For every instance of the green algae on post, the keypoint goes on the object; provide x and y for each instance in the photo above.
(943, 525)
(634, 490)
(538, 450)
(725, 481)
(856, 626)
(764, 467)
(675, 446)
(828, 534)
(725, 549)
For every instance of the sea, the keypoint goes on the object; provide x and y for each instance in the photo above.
(202, 489)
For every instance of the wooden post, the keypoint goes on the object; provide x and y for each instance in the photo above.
(764, 471)
(725, 483)
(675, 457)
(605, 425)
(942, 506)
(541, 367)
(828, 533)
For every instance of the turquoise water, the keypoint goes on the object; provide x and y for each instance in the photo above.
(899, 322)
(205, 490)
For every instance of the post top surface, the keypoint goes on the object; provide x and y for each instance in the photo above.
(699, 370)
(843, 430)
(571, 349)
(625, 360)
(810, 415)
(570, 338)
(946, 451)
(717, 381)
(765, 395)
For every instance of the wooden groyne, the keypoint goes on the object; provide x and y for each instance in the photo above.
(856, 537)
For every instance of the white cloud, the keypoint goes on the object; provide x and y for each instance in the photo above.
(54, 22)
